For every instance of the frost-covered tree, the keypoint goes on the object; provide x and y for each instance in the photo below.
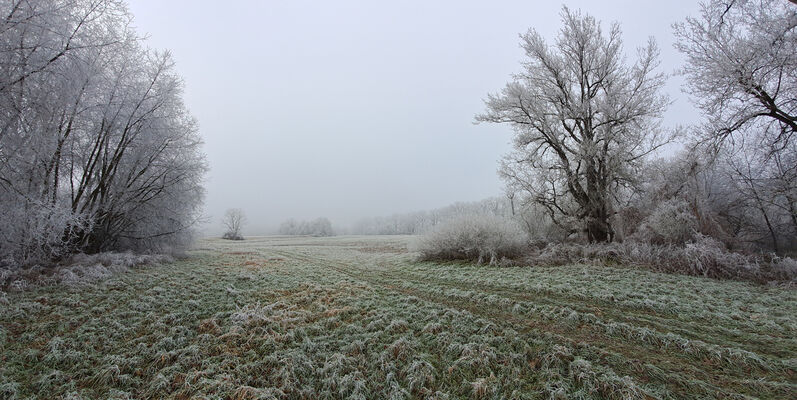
(320, 227)
(765, 188)
(317, 227)
(742, 69)
(584, 121)
(97, 150)
(233, 220)
(422, 221)
(742, 72)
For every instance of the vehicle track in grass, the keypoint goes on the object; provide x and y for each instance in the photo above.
(624, 357)
(775, 345)
(768, 335)
(767, 343)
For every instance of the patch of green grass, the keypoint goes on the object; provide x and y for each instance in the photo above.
(357, 318)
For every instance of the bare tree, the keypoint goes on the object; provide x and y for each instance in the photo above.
(234, 219)
(583, 120)
(317, 227)
(742, 72)
(97, 150)
(422, 221)
(742, 69)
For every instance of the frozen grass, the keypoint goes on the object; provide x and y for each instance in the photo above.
(356, 318)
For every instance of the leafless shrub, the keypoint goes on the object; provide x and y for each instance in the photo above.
(78, 269)
(476, 237)
(670, 223)
(232, 236)
(702, 256)
(782, 268)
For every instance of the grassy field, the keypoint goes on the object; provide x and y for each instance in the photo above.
(357, 318)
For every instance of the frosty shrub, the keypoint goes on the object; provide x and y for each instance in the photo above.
(77, 269)
(782, 268)
(232, 236)
(701, 256)
(671, 222)
(708, 257)
(37, 232)
(476, 237)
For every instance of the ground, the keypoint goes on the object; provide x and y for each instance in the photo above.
(357, 317)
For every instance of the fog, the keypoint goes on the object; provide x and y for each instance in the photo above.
(355, 109)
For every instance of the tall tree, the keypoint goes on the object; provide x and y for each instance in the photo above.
(584, 121)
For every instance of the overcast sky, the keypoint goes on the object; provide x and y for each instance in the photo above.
(347, 109)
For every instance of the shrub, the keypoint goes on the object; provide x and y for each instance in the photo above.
(702, 256)
(232, 236)
(671, 222)
(77, 269)
(476, 237)
(38, 233)
(708, 257)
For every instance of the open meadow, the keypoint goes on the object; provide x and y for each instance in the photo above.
(358, 318)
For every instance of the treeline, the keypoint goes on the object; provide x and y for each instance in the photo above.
(419, 222)
(97, 150)
(317, 227)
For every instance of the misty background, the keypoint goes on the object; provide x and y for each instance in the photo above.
(354, 109)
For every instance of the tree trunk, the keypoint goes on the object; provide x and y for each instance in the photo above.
(793, 213)
(771, 229)
(597, 217)
(598, 229)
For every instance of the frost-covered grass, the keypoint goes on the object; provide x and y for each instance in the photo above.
(356, 317)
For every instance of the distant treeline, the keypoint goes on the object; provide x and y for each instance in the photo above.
(421, 221)
(317, 227)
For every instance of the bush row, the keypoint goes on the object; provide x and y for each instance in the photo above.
(501, 241)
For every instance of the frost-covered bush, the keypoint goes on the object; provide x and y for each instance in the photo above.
(708, 257)
(78, 269)
(701, 256)
(671, 222)
(34, 231)
(232, 236)
(476, 237)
